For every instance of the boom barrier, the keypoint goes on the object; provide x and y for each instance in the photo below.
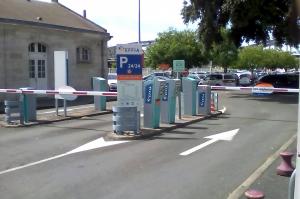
(112, 94)
(58, 92)
(256, 89)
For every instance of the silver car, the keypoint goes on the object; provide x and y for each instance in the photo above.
(220, 79)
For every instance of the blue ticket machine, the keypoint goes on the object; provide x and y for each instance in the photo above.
(168, 101)
(153, 91)
(189, 87)
(99, 84)
(204, 99)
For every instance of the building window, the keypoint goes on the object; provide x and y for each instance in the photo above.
(37, 47)
(31, 69)
(83, 55)
(41, 48)
(41, 69)
(31, 47)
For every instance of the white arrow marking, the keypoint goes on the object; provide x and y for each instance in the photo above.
(99, 143)
(226, 136)
(223, 110)
(95, 145)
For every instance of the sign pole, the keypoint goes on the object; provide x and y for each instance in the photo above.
(297, 182)
(179, 100)
(56, 106)
(178, 66)
(65, 108)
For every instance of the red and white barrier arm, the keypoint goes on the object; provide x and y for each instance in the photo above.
(57, 92)
(253, 89)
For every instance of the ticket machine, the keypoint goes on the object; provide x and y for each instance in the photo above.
(204, 99)
(189, 87)
(168, 101)
(153, 92)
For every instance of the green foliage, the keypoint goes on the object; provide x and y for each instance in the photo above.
(257, 57)
(113, 65)
(246, 20)
(224, 53)
(175, 45)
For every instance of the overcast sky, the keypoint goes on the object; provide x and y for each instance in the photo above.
(120, 17)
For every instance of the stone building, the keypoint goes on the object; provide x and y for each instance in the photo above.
(30, 32)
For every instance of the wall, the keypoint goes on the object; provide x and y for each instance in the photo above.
(14, 41)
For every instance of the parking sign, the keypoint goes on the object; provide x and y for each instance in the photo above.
(129, 62)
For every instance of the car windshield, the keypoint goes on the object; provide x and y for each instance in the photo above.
(229, 76)
(112, 76)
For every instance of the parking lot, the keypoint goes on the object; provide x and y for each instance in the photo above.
(148, 168)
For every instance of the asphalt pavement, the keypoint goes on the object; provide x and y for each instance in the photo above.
(40, 161)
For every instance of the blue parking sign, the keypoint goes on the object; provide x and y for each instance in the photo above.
(129, 64)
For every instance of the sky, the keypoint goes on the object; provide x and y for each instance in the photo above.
(120, 17)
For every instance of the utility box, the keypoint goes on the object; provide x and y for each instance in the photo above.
(204, 99)
(125, 119)
(168, 101)
(99, 84)
(189, 87)
(153, 91)
(28, 105)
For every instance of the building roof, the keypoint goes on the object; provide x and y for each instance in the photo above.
(46, 14)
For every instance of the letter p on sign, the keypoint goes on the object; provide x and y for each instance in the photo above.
(123, 60)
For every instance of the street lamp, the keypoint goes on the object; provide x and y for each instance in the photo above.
(139, 21)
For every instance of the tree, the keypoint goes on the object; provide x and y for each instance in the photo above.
(175, 45)
(224, 53)
(246, 20)
(257, 57)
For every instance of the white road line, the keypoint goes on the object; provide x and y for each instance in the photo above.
(48, 112)
(33, 163)
(225, 136)
(196, 148)
(98, 143)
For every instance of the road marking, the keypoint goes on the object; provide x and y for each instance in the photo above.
(32, 164)
(240, 190)
(226, 136)
(223, 110)
(98, 143)
(71, 109)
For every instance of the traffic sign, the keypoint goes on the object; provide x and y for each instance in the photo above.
(129, 62)
(178, 65)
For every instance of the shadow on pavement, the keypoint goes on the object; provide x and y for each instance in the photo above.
(283, 98)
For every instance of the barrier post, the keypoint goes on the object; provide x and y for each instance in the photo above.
(99, 84)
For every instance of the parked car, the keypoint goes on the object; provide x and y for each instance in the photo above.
(245, 79)
(196, 77)
(201, 75)
(156, 74)
(284, 80)
(220, 79)
(112, 82)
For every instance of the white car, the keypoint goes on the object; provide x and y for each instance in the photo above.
(112, 82)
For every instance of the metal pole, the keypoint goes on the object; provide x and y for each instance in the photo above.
(297, 183)
(56, 106)
(139, 21)
(292, 185)
(179, 99)
(65, 108)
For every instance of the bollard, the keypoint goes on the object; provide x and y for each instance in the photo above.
(286, 168)
(254, 194)
(212, 107)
